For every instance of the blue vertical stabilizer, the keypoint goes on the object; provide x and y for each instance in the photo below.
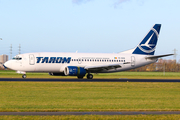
(148, 45)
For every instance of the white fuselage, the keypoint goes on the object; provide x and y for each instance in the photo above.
(54, 61)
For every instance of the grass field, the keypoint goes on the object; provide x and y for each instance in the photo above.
(89, 96)
(134, 75)
(95, 117)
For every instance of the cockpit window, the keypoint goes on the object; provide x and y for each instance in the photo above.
(17, 58)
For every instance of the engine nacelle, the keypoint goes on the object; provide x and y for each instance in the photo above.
(56, 74)
(74, 71)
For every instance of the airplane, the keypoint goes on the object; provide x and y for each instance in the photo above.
(80, 64)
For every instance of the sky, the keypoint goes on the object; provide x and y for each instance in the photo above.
(92, 26)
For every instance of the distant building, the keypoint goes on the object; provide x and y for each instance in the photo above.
(3, 59)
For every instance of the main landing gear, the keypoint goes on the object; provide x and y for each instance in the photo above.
(80, 77)
(89, 76)
(24, 76)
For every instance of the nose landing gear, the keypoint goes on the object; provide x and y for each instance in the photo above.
(24, 76)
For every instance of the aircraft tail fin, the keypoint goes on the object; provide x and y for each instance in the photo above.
(148, 45)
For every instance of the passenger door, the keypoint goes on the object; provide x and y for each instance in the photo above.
(133, 61)
(31, 59)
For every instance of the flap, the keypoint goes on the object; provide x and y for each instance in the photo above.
(104, 67)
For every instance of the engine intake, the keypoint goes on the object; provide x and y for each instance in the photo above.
(74, 71)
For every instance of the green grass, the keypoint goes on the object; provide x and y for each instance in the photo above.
(94, 117)
(140, 75)
(89, 96)
(134, 75)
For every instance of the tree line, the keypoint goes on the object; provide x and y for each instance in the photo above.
(161, 65)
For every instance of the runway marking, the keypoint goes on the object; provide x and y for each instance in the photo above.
(88, 80)
(92, 113)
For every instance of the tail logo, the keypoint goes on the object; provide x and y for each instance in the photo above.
(148, 46)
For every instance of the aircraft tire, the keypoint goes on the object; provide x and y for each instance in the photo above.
(89, 76)
(24, 76)
(80, 77)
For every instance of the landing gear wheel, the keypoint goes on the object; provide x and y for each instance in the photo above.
(24, 76)
(80, 77)
(89, 76)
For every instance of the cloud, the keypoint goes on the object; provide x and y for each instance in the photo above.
(140, 2)
(115, 4)
(80, 1)
(118, 2)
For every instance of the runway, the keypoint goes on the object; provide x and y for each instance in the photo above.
(93, 113)
(88, 80)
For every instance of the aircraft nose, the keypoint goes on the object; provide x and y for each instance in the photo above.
(7, 64)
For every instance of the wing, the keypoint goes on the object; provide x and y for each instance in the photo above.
(104, 67)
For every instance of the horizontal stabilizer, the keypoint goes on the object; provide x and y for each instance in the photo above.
(158, 56)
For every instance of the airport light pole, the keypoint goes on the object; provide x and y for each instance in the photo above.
(11, 51)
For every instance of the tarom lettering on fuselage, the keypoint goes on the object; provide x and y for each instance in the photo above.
(53, 60)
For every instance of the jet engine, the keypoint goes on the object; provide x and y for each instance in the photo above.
(75, 71)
